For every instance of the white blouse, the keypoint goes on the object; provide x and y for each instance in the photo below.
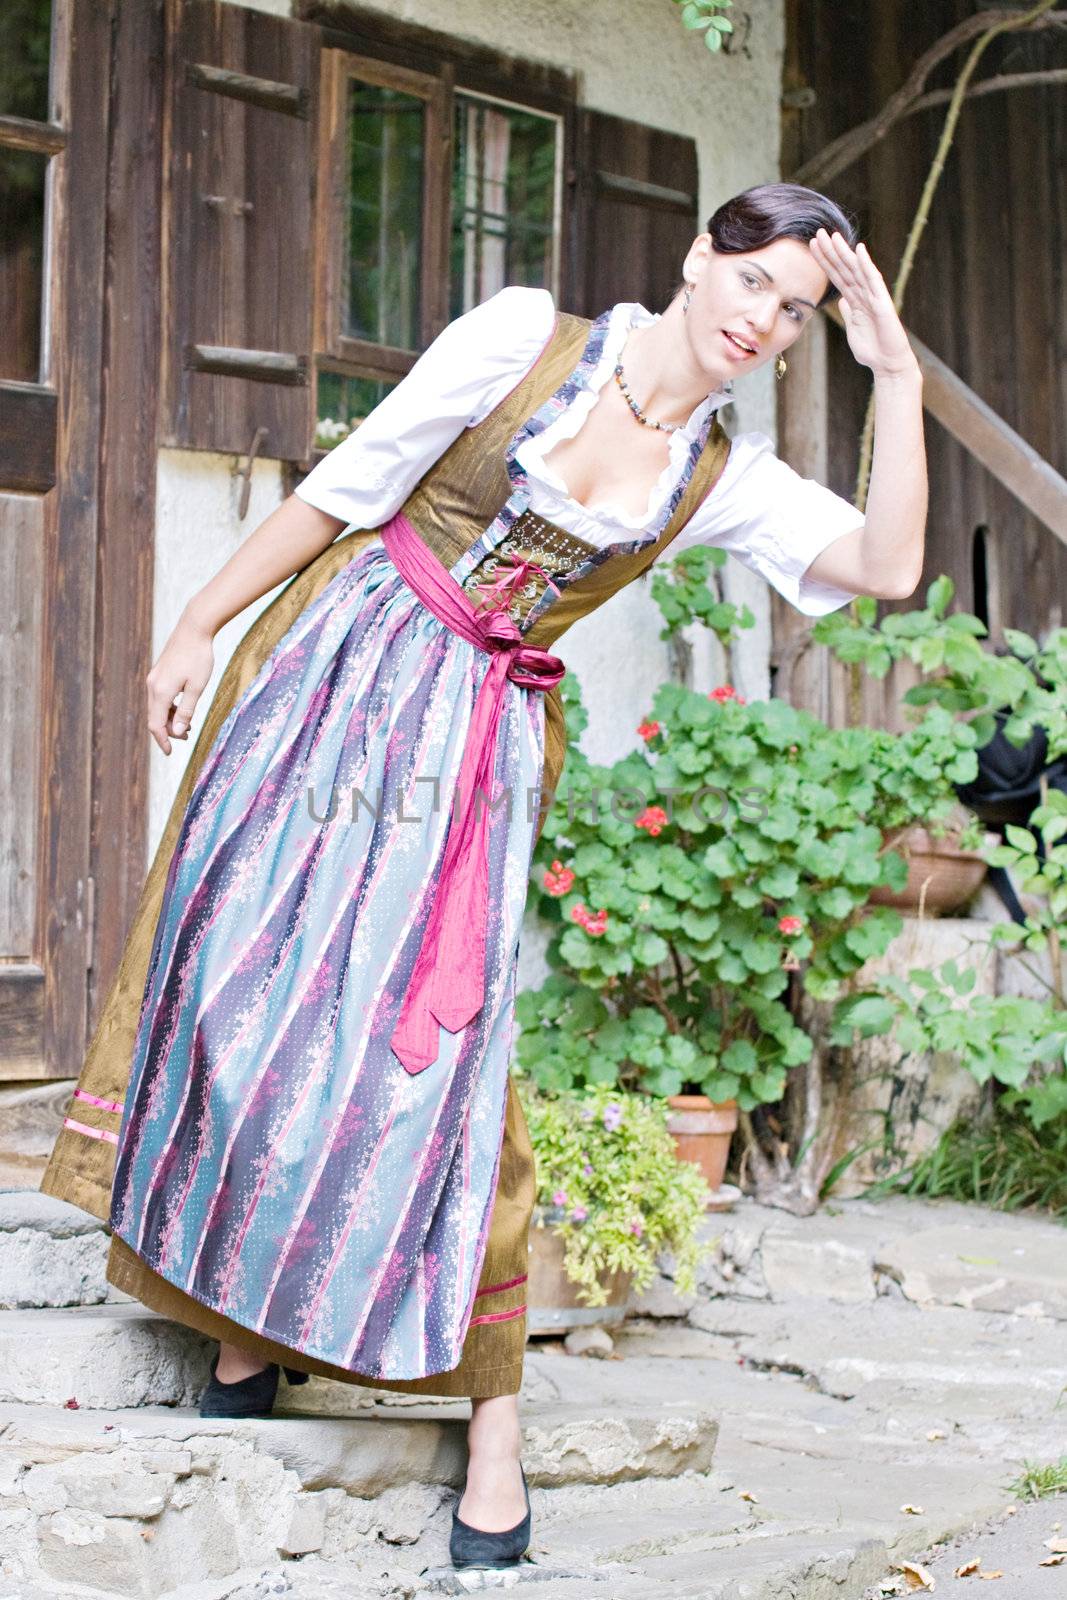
(760, 510)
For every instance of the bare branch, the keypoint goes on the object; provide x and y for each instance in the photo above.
(848, 147)
(1010, 80)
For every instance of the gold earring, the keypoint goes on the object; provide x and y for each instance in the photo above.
(780, 367)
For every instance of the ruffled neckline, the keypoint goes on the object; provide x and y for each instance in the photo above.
(552, 491)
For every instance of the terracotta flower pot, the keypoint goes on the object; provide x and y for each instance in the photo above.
(552, 1303)
(702, 1131)
(941, 876)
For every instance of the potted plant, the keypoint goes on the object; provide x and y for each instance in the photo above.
(703, 1130)
(612, 1194)
(1013, 1041)
(944, 871)
(696, 884)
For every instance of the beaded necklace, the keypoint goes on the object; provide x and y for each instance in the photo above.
(664, 427)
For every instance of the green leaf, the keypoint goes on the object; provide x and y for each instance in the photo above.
(721, 1086)
(649, 949)
(835, 903)
(780, 881)
(939, 594)
(740, 1057)
(871, 1015)
(762, 955)
(1020, 643)
(768, 1086)
(1047, 1100)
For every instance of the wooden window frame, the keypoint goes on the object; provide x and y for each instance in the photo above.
(435, 67)
(28, 408)
(333, 348)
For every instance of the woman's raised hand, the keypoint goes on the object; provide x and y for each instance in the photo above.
(875, 332)
(183, 669)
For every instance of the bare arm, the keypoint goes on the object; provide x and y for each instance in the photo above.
(284, 543)
(885, 556)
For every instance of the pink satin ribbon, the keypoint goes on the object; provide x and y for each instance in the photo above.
(448, 982)
(507, 583)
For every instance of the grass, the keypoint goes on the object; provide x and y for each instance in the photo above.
(1003, 1162)
(1037, 1482)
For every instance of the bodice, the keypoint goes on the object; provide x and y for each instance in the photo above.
(473, 505)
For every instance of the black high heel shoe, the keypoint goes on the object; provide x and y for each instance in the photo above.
(474, 1547)
(246, 1397)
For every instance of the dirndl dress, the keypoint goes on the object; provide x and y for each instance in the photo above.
(279, 1167)
(276, 1160)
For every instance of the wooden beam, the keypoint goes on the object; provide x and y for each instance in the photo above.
(1005, 454)
(20, 133)
(128, 450)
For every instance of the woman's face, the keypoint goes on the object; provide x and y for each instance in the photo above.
(746, 309)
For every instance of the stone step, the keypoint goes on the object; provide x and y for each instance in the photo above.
(100, 1357)
(852, 1252)
(84, 1363)
(51, 1253)
(155, 1499)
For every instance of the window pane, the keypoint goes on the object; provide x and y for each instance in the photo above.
(504, 213)
(25, 41)
(385, 143)
(22, 179)
(343, 404)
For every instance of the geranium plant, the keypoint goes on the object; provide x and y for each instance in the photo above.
(611, 1185)
(694, 881)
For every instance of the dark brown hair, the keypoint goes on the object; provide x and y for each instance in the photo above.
(758, 216)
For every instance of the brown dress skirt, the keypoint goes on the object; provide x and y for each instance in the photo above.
(81, 1166)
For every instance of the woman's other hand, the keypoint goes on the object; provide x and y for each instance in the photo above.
(177, 681)
(875, 332)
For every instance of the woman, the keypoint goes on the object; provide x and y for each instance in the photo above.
(321, 1160)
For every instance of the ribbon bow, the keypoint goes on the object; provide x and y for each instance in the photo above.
(448, 981)
(506, 584)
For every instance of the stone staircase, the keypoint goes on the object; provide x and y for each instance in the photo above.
(111, 1484)
(844, 1392)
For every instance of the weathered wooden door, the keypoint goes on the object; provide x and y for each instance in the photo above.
(53, 141)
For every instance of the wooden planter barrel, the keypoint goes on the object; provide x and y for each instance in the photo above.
(552, 1303)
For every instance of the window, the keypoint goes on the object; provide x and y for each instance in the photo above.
(27, 143)
(432, 197)
(505, 200)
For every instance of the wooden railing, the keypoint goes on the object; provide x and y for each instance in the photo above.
(1004, 453)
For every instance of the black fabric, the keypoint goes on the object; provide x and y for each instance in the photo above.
(1007, 789)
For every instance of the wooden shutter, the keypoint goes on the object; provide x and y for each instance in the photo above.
(635, 213)
(238, 273)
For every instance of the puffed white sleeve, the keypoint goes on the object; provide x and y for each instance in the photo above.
(775, 522)
(471, 366)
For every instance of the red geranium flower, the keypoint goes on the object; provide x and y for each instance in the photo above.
(648, 730)
(652, 818)
(593, 923)
(558, 879)
(790, 925)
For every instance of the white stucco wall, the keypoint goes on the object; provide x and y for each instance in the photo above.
(635, 60)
